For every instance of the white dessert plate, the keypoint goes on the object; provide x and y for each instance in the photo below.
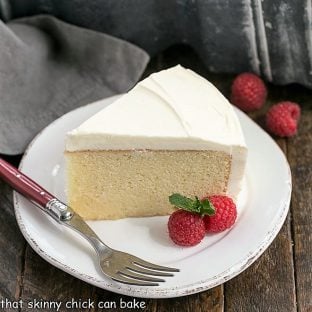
(262, 209)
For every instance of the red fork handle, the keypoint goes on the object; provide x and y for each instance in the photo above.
(23, 184)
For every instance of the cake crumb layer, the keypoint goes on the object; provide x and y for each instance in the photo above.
(137, 183)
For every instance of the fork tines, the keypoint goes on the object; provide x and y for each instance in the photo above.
(141, 273)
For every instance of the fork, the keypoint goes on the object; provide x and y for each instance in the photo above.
(117, 265)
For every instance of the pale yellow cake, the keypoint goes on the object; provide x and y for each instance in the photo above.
(174, 132)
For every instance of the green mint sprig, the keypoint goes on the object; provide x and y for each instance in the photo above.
(202, 207)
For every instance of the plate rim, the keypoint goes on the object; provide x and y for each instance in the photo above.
(170, 292)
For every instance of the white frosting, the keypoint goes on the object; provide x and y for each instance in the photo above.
(174, 109)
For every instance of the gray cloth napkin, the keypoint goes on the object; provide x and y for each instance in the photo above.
(48, 67)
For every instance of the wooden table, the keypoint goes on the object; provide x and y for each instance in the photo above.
(280, 280)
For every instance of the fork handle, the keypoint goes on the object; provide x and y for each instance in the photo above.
(34, 192)
(24, 185)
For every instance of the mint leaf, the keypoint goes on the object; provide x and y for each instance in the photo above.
(207, 208)
(202, 207)
(184, 202)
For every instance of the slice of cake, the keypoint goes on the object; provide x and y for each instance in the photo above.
(174, 132)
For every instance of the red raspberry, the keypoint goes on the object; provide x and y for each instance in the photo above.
(224, 216)
(282, 118)
(248, 92)
(186, 228)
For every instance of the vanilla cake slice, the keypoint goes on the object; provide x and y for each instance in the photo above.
(174, 132)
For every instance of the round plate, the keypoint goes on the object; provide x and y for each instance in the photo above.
(262, 209)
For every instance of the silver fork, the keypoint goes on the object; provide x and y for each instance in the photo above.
(117, 265)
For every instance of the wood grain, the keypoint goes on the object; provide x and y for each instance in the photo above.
(211, 300)
(12, 246)
(300, 159)
(44, 282)
(265, 285)
(120, 302)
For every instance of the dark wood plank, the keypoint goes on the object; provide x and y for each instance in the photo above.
(268, 285)
(115, 302)
(12, 246)
(300, 158)
(14, 160)
(43, 282)
(210, 300)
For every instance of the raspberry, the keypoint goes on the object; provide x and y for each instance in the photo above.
(248, 92)
(282, 118)
(186, 228)
(224, 216)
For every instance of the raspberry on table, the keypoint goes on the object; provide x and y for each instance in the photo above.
(248, 92)
(225, 214)
(282, 118)
(186, 228)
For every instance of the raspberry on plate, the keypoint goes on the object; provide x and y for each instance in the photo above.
(282, 118)
(186, 228)
(248, 92)
(225, 214)
(211, 214)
